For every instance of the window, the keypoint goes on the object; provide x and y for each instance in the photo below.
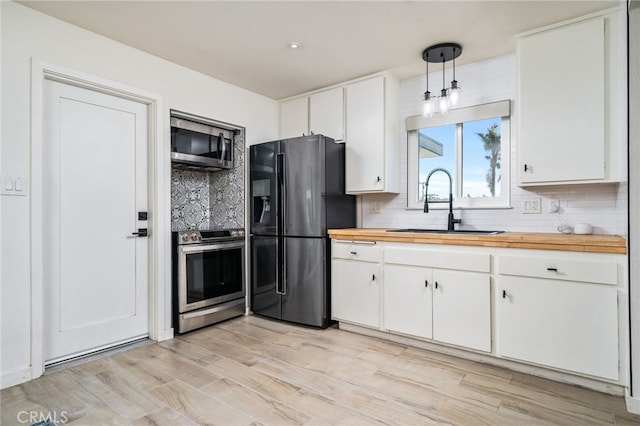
(473, 145)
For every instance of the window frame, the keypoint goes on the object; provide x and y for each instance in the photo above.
(459, 116)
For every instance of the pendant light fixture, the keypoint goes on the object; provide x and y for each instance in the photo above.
(429, 104)
(449, 97)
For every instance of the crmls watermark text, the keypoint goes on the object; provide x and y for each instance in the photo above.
(32, 417)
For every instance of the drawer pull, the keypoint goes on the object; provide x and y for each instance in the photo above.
(552, 269)
(353, 252)
(504, 294)
(436, 284)
(373, 277)
(426, 283)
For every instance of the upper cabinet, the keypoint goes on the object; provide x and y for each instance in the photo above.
(363, 113)
(569, 96)
(318, 113)
(372, 151)
(294, 117)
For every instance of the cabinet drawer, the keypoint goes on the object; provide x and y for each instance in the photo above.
(365, 251)
(475, 262)
(559, 269)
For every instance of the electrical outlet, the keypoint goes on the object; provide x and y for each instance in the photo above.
(554, 206)
(375, 207)
(532, 205)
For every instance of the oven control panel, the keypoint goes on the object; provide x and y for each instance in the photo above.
(199, 237)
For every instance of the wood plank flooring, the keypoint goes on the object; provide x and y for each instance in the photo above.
(253, 371)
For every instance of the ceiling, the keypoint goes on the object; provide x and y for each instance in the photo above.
(245, 42)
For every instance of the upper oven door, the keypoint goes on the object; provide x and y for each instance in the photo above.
(210, 274)
(200, 145)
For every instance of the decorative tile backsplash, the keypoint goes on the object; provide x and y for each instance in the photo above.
(209, 200)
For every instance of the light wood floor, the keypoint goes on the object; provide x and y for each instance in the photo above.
(254, 371)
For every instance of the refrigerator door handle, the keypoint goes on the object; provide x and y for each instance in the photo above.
(280, 267)
(281, 194)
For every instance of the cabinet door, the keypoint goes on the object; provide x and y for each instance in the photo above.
(294, 118)
(462, 309)
(355, 292)
(562, 104)
(567, 325)
(326, 113)
(407, 300)
(365, 135)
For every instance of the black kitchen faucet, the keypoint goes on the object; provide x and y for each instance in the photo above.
(451, 220)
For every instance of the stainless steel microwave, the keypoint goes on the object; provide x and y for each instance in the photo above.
(201, 143)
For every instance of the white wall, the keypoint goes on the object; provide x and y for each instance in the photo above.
(604, 206)
(28, 34)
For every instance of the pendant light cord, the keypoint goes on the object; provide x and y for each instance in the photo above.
(454, 64)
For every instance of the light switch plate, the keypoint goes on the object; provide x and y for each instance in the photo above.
(14, 185)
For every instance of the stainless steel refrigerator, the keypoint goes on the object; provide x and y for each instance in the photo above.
(296, 194)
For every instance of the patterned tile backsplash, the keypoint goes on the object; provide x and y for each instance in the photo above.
(209, 200)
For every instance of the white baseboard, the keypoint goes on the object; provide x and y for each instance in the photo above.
(13, 378)
(633, 403)
(166, 335)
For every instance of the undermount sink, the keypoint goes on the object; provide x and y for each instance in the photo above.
(444, 231)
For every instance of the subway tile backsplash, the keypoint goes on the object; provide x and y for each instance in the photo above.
(604, 206)
(209, 200)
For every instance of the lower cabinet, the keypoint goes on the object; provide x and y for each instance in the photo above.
(552, 309)
(448, 306)
(355, 284)
(408, 302)
(561, 314)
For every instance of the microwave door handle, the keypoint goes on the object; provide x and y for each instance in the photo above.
(224, 146)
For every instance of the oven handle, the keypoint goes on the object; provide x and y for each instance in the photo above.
(199, 248)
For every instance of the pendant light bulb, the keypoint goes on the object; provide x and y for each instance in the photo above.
(444, 102)
(454, 94)
(428, 105)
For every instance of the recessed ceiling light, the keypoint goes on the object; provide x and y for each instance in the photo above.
(294, 45)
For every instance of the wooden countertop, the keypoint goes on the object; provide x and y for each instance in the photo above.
(527, 240)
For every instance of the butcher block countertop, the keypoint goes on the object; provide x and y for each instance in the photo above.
(527, 240)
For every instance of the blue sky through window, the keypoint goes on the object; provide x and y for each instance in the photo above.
(474, 164)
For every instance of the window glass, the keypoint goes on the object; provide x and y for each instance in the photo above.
(481, 149)
(472, 144)
(436, 149)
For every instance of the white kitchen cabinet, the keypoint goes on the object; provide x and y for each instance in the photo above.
(568, 103)
(559, 313)
(294, 118)
(317, 113)
(372, 126)
(448, 305)
(355, 283)
(326, 113)
(408, 300)
(462, 309)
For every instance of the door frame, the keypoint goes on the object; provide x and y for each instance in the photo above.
(159, 170)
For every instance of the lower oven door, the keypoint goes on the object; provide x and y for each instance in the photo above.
(210, 274)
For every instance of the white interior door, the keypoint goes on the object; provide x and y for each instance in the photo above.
(95, 183)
